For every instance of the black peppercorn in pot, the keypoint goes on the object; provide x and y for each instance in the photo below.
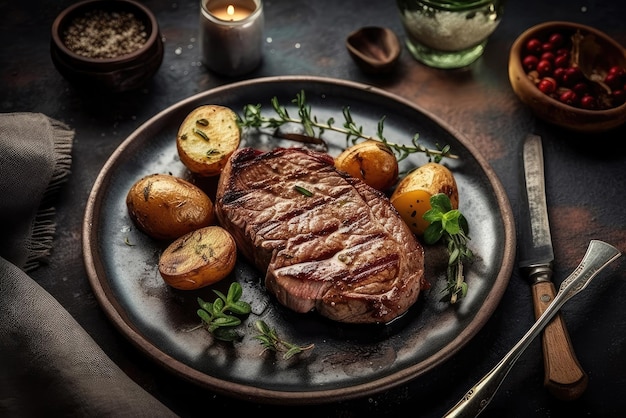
(107, 45)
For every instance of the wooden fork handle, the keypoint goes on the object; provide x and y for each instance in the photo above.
(564, 377)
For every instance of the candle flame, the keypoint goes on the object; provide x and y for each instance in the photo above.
(230, 10)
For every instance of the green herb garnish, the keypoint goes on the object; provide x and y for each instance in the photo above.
(304, 191)
(201, 134)
(451, 226)
(252, 118)
(270, 341)
(219, 317)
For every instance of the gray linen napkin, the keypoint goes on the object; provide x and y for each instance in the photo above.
(41, 374)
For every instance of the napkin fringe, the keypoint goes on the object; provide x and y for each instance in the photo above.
(39, 244)
(62, 142)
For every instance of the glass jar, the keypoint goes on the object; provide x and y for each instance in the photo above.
(449, 33)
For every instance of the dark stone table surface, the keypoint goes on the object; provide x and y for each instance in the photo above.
(586, 184)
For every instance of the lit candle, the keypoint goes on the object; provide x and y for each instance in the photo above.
(231, 13)
(231, 35)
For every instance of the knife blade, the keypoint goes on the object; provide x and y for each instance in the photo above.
(563, 375)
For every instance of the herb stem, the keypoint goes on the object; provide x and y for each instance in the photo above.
(271, 341)
(252, 118)
(450, 225)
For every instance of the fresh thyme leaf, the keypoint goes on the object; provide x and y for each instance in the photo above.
(227, 321)
(203, 314)
(304, 191)
(226, 334)
(270, 340)
(221, 295)
(201, 134)
(239, 307)
(292, 352)
(451, 226)
(218, 306)
(252, 118)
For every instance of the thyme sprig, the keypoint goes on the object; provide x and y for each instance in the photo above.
(220, 317)
(451, 226)
(271, 341)
(253, 118)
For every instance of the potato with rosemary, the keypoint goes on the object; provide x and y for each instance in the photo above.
(412, 195)
(166, 207)
(206, 139)
(199, 258)
(371, 161)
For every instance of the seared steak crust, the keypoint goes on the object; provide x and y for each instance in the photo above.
(327, 241)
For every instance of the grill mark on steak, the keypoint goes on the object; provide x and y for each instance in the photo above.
(343, 252)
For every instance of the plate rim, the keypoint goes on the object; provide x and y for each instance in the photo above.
(114, 311)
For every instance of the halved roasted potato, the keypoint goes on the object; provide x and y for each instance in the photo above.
(199, 258)
(412, 195)
(206, 139)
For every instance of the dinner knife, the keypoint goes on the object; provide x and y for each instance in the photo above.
(564, 377)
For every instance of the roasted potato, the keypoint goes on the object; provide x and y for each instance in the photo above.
(412, 195)
(199, 258)
(371, 161)
(167, 207)
(206, 138)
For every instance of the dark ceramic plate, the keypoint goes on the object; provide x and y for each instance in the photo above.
(348, 361)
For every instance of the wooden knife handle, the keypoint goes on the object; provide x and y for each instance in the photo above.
(564, 377)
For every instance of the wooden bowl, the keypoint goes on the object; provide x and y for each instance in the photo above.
(375, 50)
(600, 53)
(126, 70)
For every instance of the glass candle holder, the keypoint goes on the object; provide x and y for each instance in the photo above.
(449, 33)
(231, 35)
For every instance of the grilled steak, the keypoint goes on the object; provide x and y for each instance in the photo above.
(327, 241)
